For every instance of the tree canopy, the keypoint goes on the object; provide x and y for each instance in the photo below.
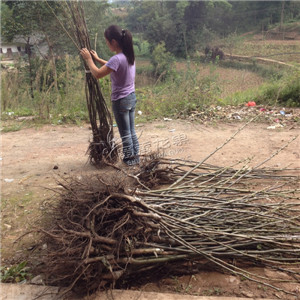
(182, 25)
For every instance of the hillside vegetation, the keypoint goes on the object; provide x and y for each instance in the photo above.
(169, 83)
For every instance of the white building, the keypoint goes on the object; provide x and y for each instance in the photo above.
(18, 47)
(11, 50)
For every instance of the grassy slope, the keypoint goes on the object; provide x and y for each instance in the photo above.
(194, 85)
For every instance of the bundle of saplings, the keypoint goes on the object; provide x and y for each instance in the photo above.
(114, 230)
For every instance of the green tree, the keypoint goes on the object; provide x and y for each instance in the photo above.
(195, 20)
(184, 25)
(99, 15)
(162, 21)
(219, 16)
(141, 14)
(163, 61)
(7, 27)
(50, 22)
(29, 20)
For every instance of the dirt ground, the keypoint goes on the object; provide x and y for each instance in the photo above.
(32, 159)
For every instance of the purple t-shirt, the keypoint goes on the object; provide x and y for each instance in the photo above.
(123, 77)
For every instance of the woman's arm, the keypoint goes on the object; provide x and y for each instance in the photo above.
(96, 72)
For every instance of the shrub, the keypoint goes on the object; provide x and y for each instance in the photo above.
(162, 61)
(179, 94)
(45, 101)
(285, 91)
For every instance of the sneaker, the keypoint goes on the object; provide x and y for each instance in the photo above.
(132, 161)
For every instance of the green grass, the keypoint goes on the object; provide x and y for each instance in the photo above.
(179, 94)
(286, 51)
(259, 69)
(215, 291)
(16, 273)
(175, 97)
(160, 126)
(12, 128)
(10, 204)
(284, 91)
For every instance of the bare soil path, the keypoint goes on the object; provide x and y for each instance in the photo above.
(32, 159)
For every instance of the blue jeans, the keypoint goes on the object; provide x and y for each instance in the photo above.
(124, 114)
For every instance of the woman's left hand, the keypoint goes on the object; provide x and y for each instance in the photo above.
(85, 53)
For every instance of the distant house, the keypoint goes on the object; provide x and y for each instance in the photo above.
(19, 47)
(11, 50)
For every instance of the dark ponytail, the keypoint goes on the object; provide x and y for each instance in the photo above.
(124, 39)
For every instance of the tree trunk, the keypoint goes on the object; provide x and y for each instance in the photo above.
(185, 46)
(281, 16)
(52, 57)
(28, 51)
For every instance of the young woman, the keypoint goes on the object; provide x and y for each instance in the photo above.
(121, 68)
